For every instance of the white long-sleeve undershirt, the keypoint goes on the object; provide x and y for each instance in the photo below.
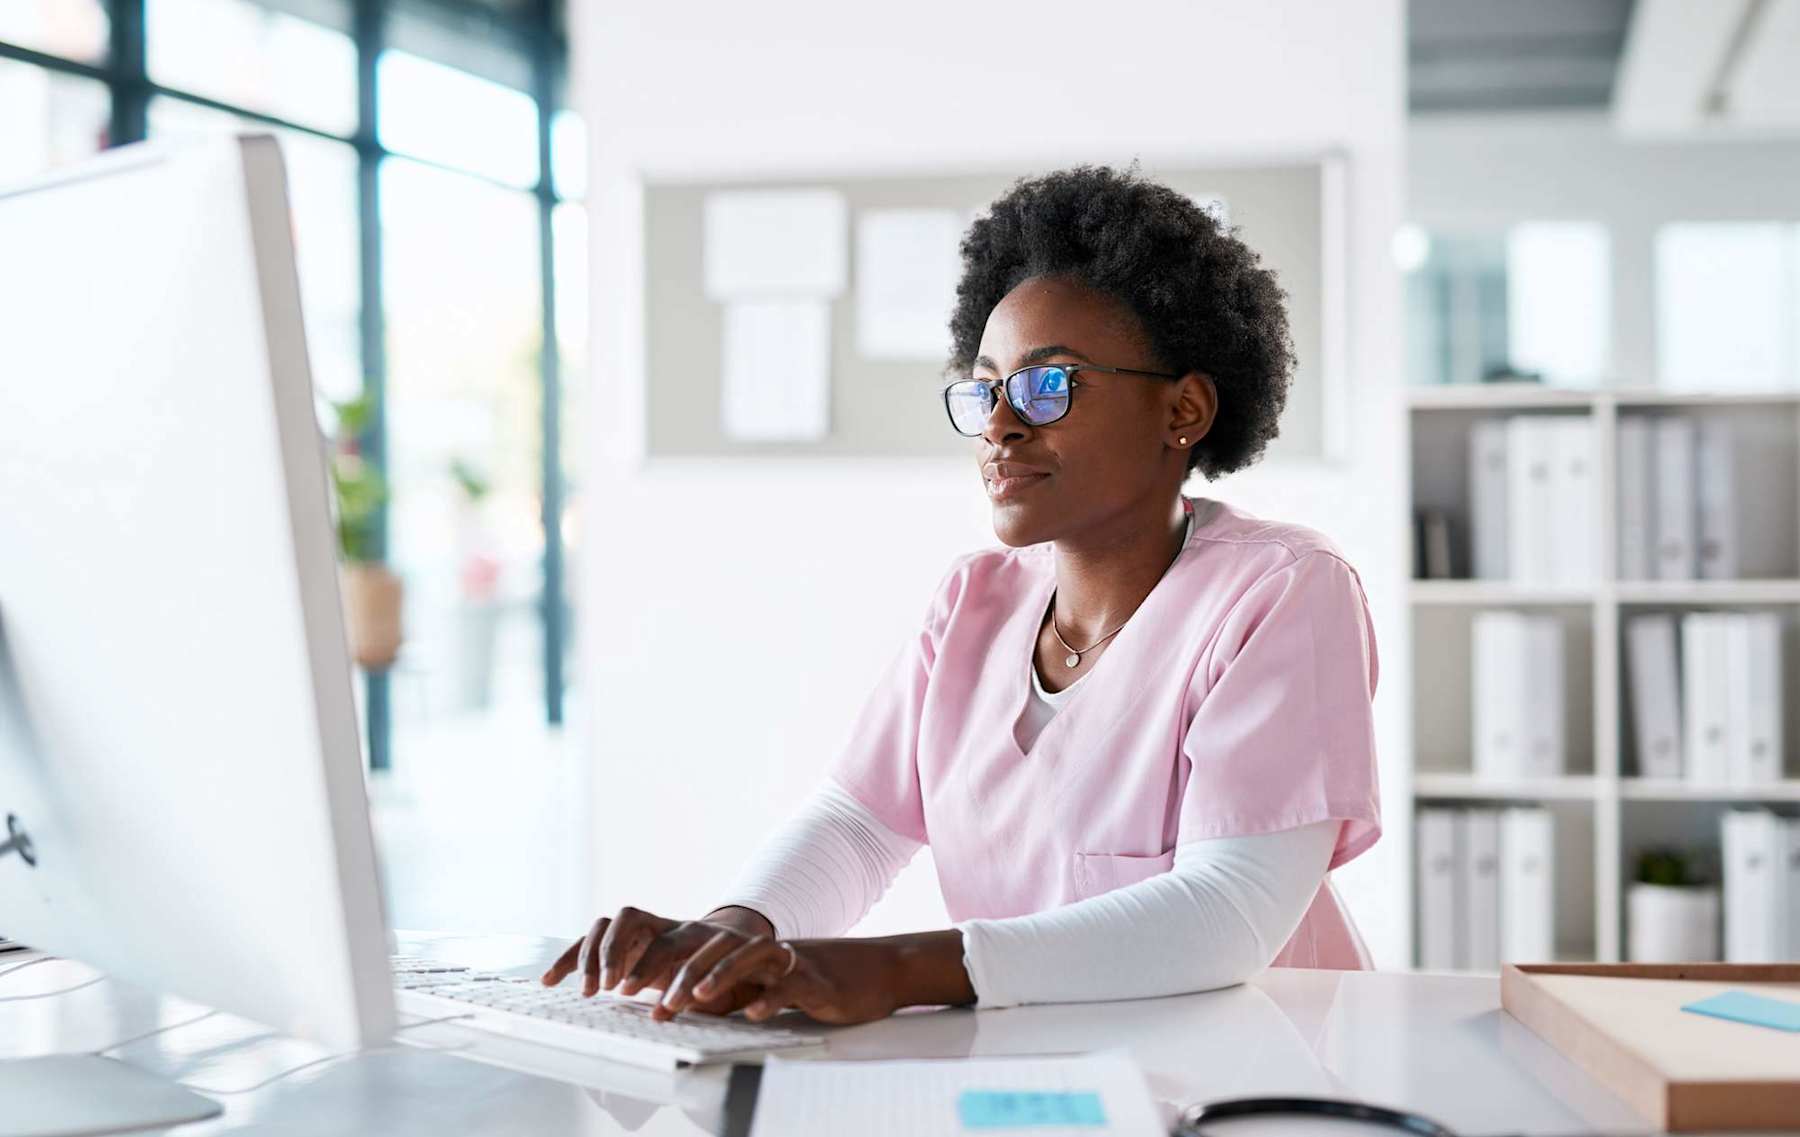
(1219, 915)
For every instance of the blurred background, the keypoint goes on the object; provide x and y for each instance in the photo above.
(639, 610)
(436, 173)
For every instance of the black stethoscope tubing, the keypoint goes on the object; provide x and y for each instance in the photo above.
(1307, 1107)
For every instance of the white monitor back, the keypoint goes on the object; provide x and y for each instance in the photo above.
(182, 745)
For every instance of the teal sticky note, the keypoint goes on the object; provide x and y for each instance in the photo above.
(1744, 1007)
(1027, 1109)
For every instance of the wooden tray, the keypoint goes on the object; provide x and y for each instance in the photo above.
(1623, 1024)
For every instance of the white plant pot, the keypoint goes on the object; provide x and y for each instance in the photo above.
(1672, 923)
(478, 629)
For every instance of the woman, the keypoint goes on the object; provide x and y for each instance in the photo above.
(1137, 734)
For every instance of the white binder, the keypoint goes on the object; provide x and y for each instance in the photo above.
(1572, 519)
(1651, 661)
(1752, 642)
(1440, 918)
(1755, 846)
(1736, 871)
(1636, 473)
(1480, 873)
(1498, 695)
(1527, 886)
(1768, 697)
(1715, 496)
(1543, 715)
(1792, 826)
(1706, 700)
(1530, 455)
(1674, 498)
(1487, 500)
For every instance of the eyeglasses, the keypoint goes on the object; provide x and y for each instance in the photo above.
(1038, 395)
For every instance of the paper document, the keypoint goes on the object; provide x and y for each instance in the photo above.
(767, 243)
(1214, 204)
(1749, 1007)
(906, 268)
(1090, 1095)
(776, 370)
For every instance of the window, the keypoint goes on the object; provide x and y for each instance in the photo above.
(1456, 307)
(1728, 305)
(464, 335)
(569, 247)
(1532, 301)
(50, 118)
(73, 29)
(1559, 302)
(322, 195)
(568, 155)
(457, 119)
(257, 57)
(472, 448)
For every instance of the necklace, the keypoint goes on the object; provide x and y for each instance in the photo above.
(1073, 659)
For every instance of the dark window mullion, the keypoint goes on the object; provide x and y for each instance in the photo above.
(130, 78)
(20, 54)
(175, 94)
(553, 611)
(369, 26)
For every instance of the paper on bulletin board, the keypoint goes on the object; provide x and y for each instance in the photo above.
(1215, 205)
(776, 370)
(907, 264)
(761, 244)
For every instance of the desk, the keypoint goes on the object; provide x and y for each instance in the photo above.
(1438, 1044)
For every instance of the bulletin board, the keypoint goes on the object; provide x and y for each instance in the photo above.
(885, 407)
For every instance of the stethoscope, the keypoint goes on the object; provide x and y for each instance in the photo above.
(1196, 1116)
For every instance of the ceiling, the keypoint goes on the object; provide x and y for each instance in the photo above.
(1720, 69)
(1514, 55)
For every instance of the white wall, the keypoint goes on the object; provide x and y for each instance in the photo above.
(1483, 173)
(736, 613)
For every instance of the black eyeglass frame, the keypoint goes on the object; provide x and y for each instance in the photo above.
(1069, 369)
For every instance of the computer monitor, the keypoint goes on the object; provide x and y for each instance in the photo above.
(179, 756)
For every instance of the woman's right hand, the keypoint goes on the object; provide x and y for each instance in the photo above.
(634, 949)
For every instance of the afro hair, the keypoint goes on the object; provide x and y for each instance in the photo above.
(1205, 301)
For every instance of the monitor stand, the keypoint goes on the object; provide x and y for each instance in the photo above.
(66, 1095)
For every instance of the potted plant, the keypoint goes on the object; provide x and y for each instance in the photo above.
(1672, 909)
(372, 593)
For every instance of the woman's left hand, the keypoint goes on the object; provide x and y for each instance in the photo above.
(838, 981)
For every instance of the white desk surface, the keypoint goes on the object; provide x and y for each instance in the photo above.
(1438, 1044)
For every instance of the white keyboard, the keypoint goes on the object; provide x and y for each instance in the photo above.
(604, 1025)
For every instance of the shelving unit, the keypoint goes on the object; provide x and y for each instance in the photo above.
(1653, 789)
(1495, 594)
(1440, 786)
(1604, 814)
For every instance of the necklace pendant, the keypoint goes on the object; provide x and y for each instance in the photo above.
(1072, 660)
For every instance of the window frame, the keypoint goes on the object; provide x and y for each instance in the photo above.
(533, 31)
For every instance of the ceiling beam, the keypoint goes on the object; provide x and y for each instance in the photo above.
(1681, 62)
(1763, 91)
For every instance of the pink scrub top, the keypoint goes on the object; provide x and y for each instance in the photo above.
(1236, 700)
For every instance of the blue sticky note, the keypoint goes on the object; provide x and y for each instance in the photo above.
(1744, 1007)
(1027, 1109)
